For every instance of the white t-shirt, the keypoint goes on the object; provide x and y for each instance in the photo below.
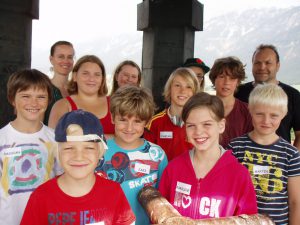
(26, 161)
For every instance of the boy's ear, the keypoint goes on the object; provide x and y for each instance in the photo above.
(222, 124)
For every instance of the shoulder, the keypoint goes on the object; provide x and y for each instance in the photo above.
(230, 159)
(245, 87)
(241, 103)
(47, 129)
(179, 161)
(243, 91)
(287, 87)
(107, 184)
(156, 151)
(46, 189)
(157, 117)
(47, 133)
(110, 142)
(6, 128)
(61, 104)
(241, 106)
(291, 150)
(291, 92)
(5, 134)
(239, 143)
(242, 139)
(233, 164)
(154, 146)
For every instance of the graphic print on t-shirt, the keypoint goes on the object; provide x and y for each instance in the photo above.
(25, 166)
(139, 168)
(265, 172)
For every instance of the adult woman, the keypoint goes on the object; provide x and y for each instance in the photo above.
(87, 91)
(62, 60)
(126, 73)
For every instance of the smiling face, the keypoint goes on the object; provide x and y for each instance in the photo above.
(265, 66)
(62, 59)
(181, 90)
(79, 159)
(89, 78)
(128, 131)
(31, 104)
(203, 129)
(128, 75)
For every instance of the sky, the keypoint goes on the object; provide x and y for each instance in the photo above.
(79, 21)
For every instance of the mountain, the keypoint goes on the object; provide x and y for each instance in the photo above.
(235, 33)
(238, 34)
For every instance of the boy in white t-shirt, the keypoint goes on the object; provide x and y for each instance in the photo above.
(26, 145)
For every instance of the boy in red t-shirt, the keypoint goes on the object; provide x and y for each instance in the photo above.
(79, 196)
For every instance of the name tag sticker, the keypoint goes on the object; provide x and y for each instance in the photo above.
(12, 152)
(166, 134)
(260, 170)
(183, 188)
(142, 168)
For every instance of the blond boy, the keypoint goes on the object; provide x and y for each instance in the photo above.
(273, 163)
(79, 196)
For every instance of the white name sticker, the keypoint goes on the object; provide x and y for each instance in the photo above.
(12, 152)
(142, 168)
(166, 134)
(260, 170)
(183, 188)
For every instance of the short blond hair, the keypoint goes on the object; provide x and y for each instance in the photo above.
(188, 75)
(132, 101)
(268, 95)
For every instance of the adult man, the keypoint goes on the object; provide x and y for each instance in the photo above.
(265, 65)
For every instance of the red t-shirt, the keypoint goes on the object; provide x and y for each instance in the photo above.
(238, 123)
(171, 138)
(105, 203)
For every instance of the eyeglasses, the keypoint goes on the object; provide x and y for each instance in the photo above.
(200, 77)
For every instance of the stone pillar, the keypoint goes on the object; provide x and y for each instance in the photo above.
(15, 45)
(169, 31)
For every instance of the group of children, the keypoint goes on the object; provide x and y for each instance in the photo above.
(74, 176)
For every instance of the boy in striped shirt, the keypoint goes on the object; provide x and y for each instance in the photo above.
(273, 163)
